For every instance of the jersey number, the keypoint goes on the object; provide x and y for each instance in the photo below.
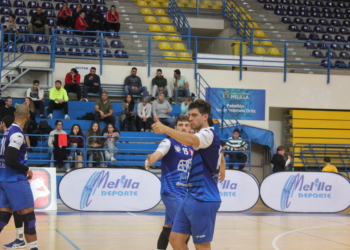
(185, 151)
(2, 150)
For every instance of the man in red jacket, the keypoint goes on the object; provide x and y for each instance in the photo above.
(72, 83)
(64, 16)
(112, 20)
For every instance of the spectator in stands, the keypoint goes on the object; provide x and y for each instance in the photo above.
(144, 112)
(104, 109)
(161, 109)
(5, 123)
(127, 116)
(112, 20)
(92, 83)
(76, 13)
(64, 17)
(76, 141)
(278, 162)
(37, 95)
(38, 23)
(95, 19)
(133, 84)
(72, 82)
(160, 84)
(30, 126)
(81, 24)
(328, 166)
(112, 135)
(7, 109)
(185, 105)
(57, 131)
(236, 143)
(11, 29)
(94, 142)
(58, 100)
(181, 86)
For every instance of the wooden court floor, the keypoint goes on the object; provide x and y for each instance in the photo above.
(259, 228)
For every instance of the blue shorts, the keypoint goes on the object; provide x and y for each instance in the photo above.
(16, 194)
(172, 204)
(196, 218)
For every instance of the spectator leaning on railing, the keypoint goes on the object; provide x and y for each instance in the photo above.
(37, 95)
(236, 143)
(328, 166)
(161, 109)
(112, 135)
(58, 100)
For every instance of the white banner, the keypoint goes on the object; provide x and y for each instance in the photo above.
(317, 192)
(96, 189)
(239, 191)
(84, 68)
(43, 186)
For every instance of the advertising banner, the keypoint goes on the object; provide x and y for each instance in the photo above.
(96, 189)
(43, 185)
(239, 191)
(243, 104)
(315, 192)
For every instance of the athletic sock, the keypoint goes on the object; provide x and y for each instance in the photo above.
(33, 245)
(163, 240)
(20, 234)
(19, 225)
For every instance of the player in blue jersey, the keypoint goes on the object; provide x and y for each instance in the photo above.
(176, 160)
(15, 191)
(197, 214)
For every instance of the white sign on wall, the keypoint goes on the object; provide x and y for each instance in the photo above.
(96, 189)
(317, 192)
(84, 68)
(239, 191)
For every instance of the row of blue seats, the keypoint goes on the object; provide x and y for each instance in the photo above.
(318, 3)
(49, 6)
(311, 21)
(337, 64)
(332, 54)
(20, 3)
(311, 9)
(325, 37)
(309, 14)
(318, 29)
(333, 46)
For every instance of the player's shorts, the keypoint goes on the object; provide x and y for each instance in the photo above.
(172, 204)
(16, 194)
(196, 218)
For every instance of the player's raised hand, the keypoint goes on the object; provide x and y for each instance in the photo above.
(147, 162)
(159, 128)
(29, 175)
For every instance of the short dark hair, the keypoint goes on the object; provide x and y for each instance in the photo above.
(327, 159)
(8, 98)
(280, 148)
(236, 130)
(182, 118)
(8, 120)
(36, 81)
(159, 70)
(74, 70)
(39, 7)
(177, 71)
(203, 107)
(13, 16)
(94, 6)
(134, 68)
(113, 6)
(58, 81)
(57, 121)
(93, 68)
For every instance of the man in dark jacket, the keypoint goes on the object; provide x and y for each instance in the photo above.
(95, 19)
(133, 84)
(278, 162)
(38, 23)
(160, 84)
(92, 84)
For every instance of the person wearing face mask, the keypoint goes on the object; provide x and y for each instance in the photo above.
(161, 109)
(72, 82)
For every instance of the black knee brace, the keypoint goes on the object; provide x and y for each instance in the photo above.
(4, 219)
(29, 223)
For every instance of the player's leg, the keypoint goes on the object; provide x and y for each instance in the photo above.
(19, 241)
(178, 241)
(5, 208)
(29, 220)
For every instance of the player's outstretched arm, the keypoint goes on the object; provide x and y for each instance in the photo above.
(11, 160)
(153, 158)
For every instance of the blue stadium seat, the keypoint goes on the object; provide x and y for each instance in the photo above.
(340, 16)
(304, 14)
(290, 8)
(344, 55)
(73, 1)
(73, 6)
(293, 27)
(322, 46)
(33, 4)
(290, 13)
(342, 5)
(106, 53)
(326, 37)
(87, 42)
(26, 48)
(67, 32)
(74, 52)
(71, 41)
(279, 12)
(340, 64)
(26, 39)
(335, 23)
(90, 52)
(338, 10)
(332, 54)
(10, 48)
(4, 19)
(315, 9)
(60, 1)
(324, 63)
(317, 54)
(308, 3)
(59, 40)
(319, 3)
(274, 1)
(102, 8)
(86, 2)
(19, 4)
(314, 37)
(51, 22)
(87, 7)
(20, 12)
(299, 20)
(42, 49)
(296, 2)
(303, 8)
(316, 14)
(268, 6)
(311, 21)
(23, 29)
(21, 20)
(50, 13)
(348, 39)
(323, 22)
(306, 28)
(301, 36)
(121, 54)
(60, 51)
(326, 10)
(327, 15)
(310, 45)
(262, 1)
(5, 3)
(319, 29)
(332, 30)
(285, 2)
(40, 39)
(286, 20)
(346, 23)
(113, 35)
(56, 31)
(99, 2)
(47, 6)
(58, 6)
(344, 31)
(347, 47)
(5, 11)
(105, 43)
(117, 44)
(347, 11)
(336, 46)
(31, 12)
(330, 4)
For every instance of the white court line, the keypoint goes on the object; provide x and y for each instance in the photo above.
(274, 245)
(132, 214)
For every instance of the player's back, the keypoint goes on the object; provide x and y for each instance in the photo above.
(13, 137)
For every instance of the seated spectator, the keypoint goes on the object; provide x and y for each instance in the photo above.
(160, 84)
(65, 17)
(11, 29)
(5, 123)
(95, 19)
(104, 109)
(127, 116)
(37, 95)
(92, 84)
(112, 20)
(81, 25)
(75, 142)
(236, 143)
(57, 131)
(161, 109)
(72, 82)
(278, 162)
(76, 13)
(133, 84)
(58, 100)
(328, 166)
(144, 113)
(38, 23)
(185, 105)
(7, 109)
(112, 134)
(181, 86)
(30, 126)
(94, 142)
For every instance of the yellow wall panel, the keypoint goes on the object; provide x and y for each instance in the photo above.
(320, 133)
(319, 140)
(320, 115)
(321, 124)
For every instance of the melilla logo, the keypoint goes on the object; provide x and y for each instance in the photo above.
(99, 181)
(229, 188)
(314, 190)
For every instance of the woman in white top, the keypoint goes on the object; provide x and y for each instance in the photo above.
(144, 112)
